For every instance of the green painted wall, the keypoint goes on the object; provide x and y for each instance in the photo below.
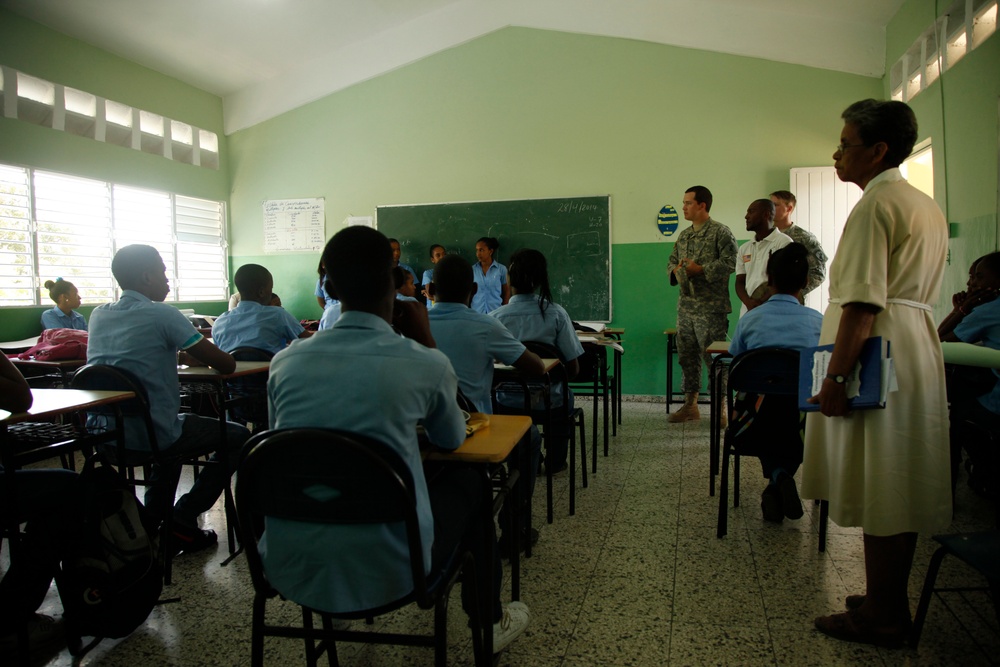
(526, 113)
(31, 48)
(959, 113)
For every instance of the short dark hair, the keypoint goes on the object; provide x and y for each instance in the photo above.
(132, 261)
(892, 123)
(251, 278)
(491, 242)
(991, 263)
(784, 195)
(788, 268)
(452, 279)
(58, 287)
(767, 204)
(430, 252)
(359, 265)
(702, 195)
(399, 276)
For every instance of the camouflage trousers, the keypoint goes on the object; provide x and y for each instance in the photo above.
(695, 332)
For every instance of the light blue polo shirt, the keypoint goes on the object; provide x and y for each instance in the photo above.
(251, 324)
(359, 376)
(321, 292)
(330, 315)
(523, 319)
(983, 325)
(143, 337)
(472, 341)
(489, 296)
(57, 319)
(781, 321)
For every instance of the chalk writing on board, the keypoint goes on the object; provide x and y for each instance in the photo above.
(294, 225)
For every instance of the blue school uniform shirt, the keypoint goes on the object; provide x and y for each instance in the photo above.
(330, 315)
(321, 292)
(57, 319)
(143, 337)
(472, 341)
(983, 325)
(427, 280)
(781, 321)
(251, 324)
(394, 383)
(489, 296)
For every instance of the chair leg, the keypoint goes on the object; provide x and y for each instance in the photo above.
(583, 452)
(257, 632)
(548, 493)
(722, 525)
(441, 631)
(824, 515)
(572, 473)
(736, 479)
(329, 644)
(309, 639)
(925, 595)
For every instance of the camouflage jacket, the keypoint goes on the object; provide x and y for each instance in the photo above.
(714, 248)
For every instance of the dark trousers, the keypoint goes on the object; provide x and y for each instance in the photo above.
(457, 495)
(48, 501)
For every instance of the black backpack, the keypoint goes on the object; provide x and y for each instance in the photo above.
(113, 577)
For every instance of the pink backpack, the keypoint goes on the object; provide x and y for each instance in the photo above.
(58, 345)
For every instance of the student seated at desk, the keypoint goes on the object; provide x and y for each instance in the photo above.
(46, 500)
(403, 280)
(781, 321)
(143, 335)
(394, 383)
(255, 323)
(67, 297)
(472, 341)
(533, 317)
(974, 393)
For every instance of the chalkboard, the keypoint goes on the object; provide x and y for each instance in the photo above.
(573, 233)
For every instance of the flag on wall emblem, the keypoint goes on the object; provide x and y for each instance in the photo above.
(667, 220)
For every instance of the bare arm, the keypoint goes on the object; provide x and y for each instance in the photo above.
(504, 294)
(15, 394)
(572, 369)
(410, 319)
(322, 302)
(205, 352)
(530, 363)
(741, 292)
(855, 328)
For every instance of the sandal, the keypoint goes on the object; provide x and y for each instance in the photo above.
(849, 627)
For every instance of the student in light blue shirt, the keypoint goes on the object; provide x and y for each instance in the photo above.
(535, 317)
(394, 383)
(491, 276)
(254, 323)
(322, 297)
(403, 280)
(143, 335)
(436, 252)
(781, 321)
(397, 252)
(67, 297)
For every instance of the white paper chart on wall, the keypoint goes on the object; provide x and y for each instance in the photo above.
(294, 225)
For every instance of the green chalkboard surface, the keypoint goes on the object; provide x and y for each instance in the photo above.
(573, 233)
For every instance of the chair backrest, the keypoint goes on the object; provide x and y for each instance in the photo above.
(251, 354)
(103, 377)
(325, 476)
(769, 412)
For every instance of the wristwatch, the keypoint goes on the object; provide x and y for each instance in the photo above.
(839, 379)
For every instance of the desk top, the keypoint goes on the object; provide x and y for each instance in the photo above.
(62, 364)
(490, 444)
(504, 368)
(718, 347)
(18, 345)
(53, 402)
(207, 374)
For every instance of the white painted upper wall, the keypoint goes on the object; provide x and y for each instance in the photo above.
(266, 57)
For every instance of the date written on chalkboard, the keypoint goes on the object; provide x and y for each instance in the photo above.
(576, 207)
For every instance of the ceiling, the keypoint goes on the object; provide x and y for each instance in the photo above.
(264, 57)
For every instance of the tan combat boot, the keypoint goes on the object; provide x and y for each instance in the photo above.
(689, 412)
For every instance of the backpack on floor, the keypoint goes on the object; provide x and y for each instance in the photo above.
(113, 578)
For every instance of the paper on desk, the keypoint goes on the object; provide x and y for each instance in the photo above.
(477, 420)
(596, 326)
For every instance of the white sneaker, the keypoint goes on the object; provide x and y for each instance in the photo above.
(514, 622)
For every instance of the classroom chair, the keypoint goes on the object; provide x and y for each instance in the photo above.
(596, 382)
(367, 483)
(773, 422)
(251, 391)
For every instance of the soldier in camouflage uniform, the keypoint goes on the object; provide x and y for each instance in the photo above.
(784, 204)
(700, 264)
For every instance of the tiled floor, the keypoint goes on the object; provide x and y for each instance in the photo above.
(637, 577)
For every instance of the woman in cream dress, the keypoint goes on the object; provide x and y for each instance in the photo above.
(884, 470)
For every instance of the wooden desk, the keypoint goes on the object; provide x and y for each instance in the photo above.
(12, 346)
(33, 368)
(205, 374)
(486, 448)
(720, 349)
